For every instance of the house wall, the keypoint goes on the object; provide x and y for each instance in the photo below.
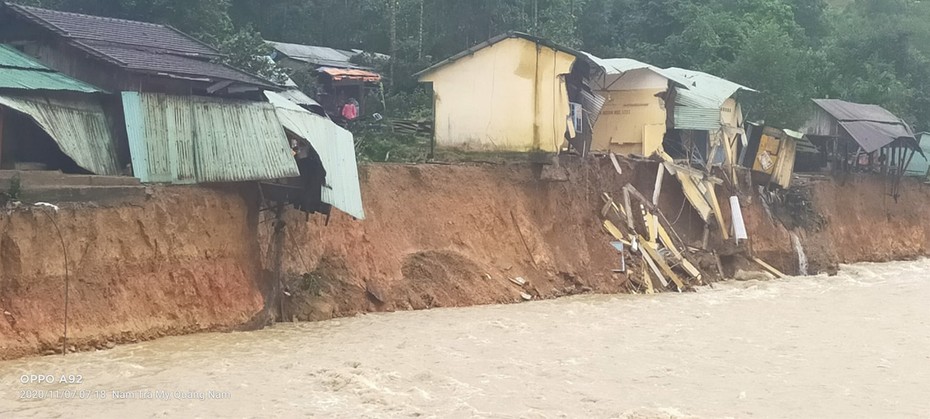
(506, 97)
(633, 120)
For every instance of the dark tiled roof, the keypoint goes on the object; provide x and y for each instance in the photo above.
(138, 46)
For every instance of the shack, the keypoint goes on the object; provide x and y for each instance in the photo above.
(862, 137)
(514, 93)
(639, 100)
(49, 121)
(339, 79)
(708, 119)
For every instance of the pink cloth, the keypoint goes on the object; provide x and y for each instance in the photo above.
(349, 111)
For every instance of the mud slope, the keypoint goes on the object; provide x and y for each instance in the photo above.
(180, 263)
(440, 236)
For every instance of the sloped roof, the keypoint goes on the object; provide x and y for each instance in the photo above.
(316, 55)
(503, 37)
(871, 126)
(22, 72)
(137, 46)
(619, 66)
(710, 90)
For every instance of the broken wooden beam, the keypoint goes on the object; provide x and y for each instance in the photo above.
(770, 268)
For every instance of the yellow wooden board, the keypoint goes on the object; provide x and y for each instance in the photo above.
(663, 266)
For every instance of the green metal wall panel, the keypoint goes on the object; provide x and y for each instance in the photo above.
(78, 126)
(189, 139)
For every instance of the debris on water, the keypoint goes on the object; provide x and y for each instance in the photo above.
(47, 205)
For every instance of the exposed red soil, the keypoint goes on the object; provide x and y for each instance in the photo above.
(195, 259)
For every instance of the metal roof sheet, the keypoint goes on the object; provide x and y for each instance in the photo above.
(138, 46)
(706, 89)
(619, 66)
(351, 74)
(321, 56)
(849, 111)
(336, 148)
(871, 126)
(19, 71)
(78, 126)
(189, 139)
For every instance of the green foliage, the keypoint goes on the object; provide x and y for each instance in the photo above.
(875, 51)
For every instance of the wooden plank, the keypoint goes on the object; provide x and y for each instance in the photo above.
(613, 159)
(648, 281)
(613, 230)
(769, 268)
(712, 198)
(652, 264)
(660, 176)
(629, 210)
(658, 260)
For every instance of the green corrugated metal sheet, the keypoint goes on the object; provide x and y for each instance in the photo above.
(78, 126)
(336, 148)
(19, 71)
(189, 139)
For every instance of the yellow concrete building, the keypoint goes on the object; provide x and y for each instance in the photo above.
(508, 94)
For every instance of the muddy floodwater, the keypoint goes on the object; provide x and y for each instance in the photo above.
(855, 345)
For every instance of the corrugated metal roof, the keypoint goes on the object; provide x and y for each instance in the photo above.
(619, 66)
(707, 88)
(336, 148)
(137, 46)
(19, 71)
(78, 126)
(321, 56)
(189, 139)
(871, 126)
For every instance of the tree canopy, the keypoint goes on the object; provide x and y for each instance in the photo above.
(874, 51)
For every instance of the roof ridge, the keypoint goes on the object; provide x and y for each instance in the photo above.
(114, 19)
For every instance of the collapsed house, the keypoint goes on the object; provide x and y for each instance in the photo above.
(637, 110)
(772, 153)
(513, 93)
(708, 119)
(339, 79)
(173, 115)
(862, 137)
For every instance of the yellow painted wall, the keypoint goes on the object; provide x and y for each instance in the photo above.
(632, 122)
(506, 97)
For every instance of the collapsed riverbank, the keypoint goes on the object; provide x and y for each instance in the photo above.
(192, 259)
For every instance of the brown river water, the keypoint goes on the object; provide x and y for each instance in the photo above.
(855, 345)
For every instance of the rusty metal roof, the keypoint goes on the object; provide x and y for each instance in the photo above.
(138, 46)
(191, 139)
(21, 72)
(336, 148)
